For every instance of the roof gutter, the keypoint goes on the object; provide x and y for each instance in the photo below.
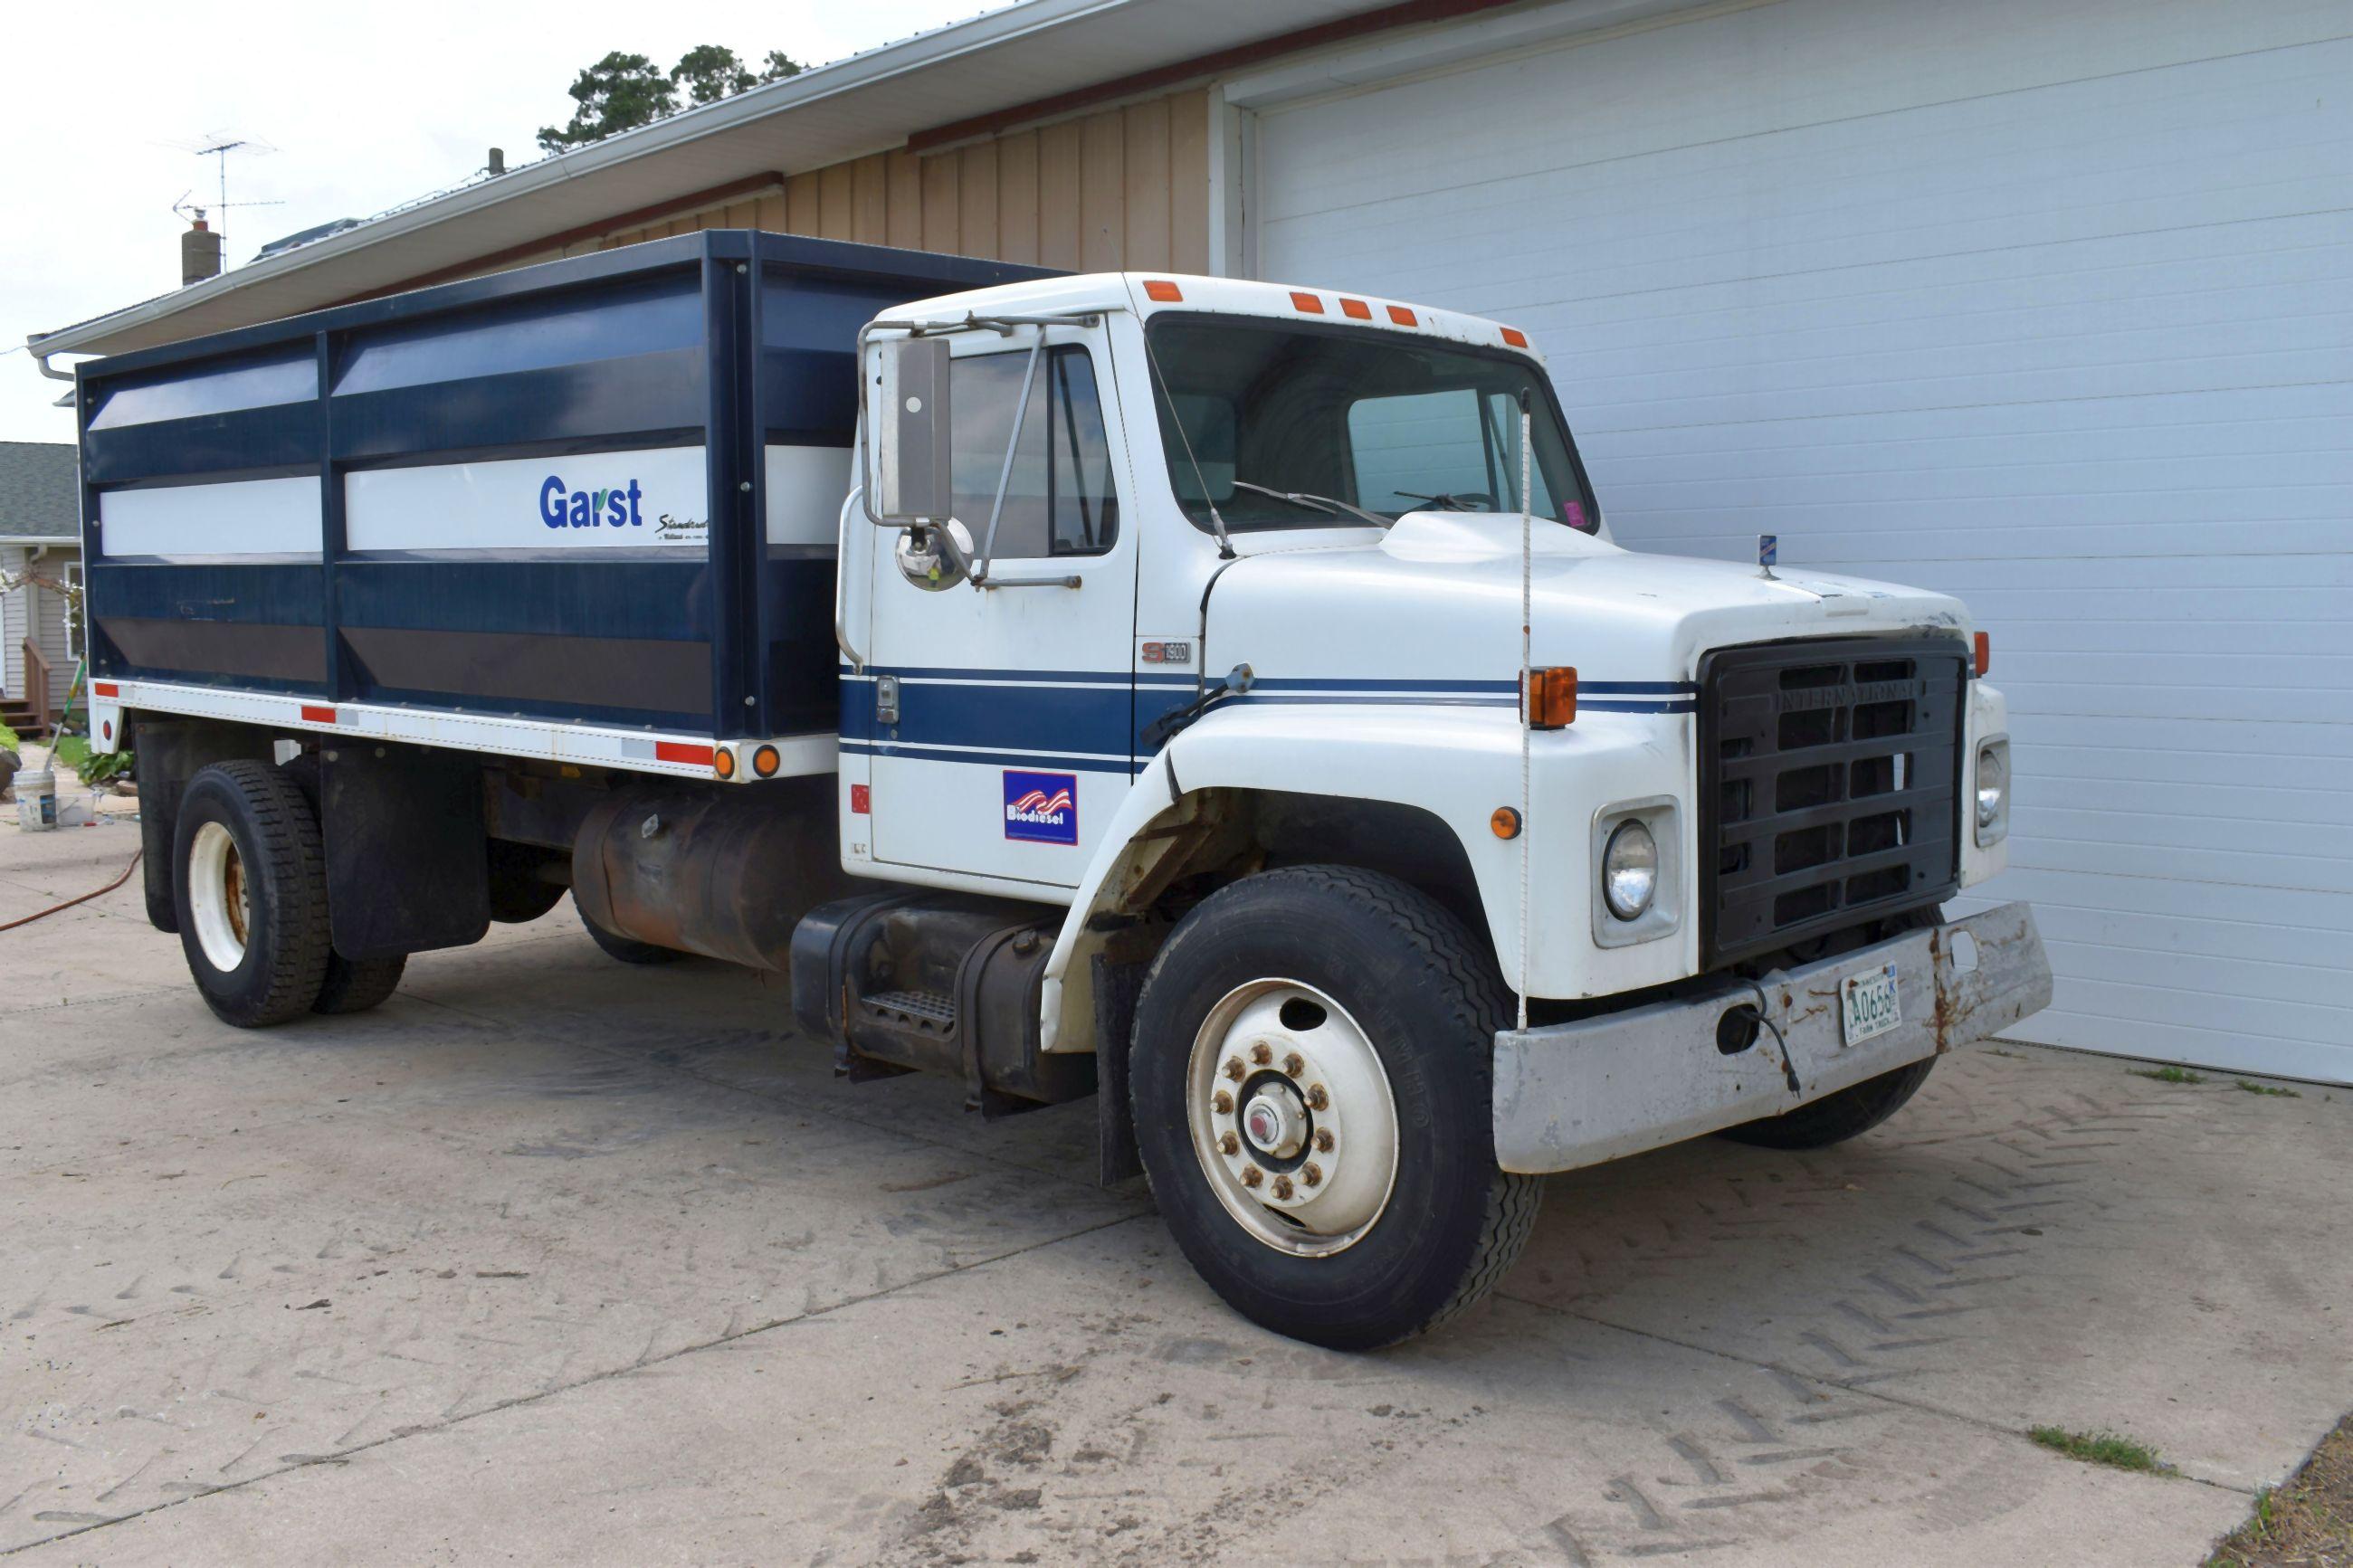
(923, 51)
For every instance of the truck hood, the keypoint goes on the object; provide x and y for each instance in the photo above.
(1437, 600)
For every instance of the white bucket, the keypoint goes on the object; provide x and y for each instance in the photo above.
(36, 800)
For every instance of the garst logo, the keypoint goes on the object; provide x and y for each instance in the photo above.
(560, 507)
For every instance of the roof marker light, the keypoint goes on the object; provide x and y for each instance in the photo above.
(1160, 288)
(1516, 338)
(1355, 310)
(1402, 317)
(1312, 304)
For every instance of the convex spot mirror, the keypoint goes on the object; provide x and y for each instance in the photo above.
(910, 439)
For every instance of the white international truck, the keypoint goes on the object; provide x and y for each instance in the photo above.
(1219, 697)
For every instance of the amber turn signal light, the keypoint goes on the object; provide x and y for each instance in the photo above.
(1549, 700)
(1985, 653)
(766, 761)
(723, 763)
(1505, 822)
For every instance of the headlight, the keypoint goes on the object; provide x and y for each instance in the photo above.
(1993, 791)
(1629, 870)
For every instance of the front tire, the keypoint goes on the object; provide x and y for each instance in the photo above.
(1311, 1082)
(249, 893)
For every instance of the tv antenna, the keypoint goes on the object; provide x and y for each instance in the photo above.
(217, 145)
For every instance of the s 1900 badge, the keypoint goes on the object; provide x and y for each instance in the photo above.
(1042, 808)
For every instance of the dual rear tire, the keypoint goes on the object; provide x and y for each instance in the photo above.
(250, 897)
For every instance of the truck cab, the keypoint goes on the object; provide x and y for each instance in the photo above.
(1246, 716)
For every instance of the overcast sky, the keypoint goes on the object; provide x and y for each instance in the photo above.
(367, 105)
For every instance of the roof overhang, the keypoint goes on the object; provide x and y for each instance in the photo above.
(1036, 52)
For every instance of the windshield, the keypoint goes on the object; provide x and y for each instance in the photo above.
(1298, 427)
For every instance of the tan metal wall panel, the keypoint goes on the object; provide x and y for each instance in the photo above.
(976, 220)
(1189, 182)
(1060, 235)
(905, 223)
(1017, 198)
(1102, 239)
(801, 203)
(1145, 184)
(1120, 188)
(869, 200)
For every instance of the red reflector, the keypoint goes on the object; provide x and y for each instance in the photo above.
(1551, 697)
(1516, 338)
(317, 715)
(1355, 310)
(680, 752)
(1303, 301)
(1160, 288)
(107, 728)
(862, 800)
(1401, 316)
(1985, 653)
(107, 688)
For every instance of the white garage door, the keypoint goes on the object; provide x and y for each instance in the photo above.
(2047, 304)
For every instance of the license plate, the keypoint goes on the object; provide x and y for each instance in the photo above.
(1868, 1003)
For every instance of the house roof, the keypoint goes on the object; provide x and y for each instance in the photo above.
(41, 496)
(1032, 53)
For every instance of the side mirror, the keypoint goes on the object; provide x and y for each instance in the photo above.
(909, 436)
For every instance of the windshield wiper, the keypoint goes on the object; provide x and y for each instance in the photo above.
(1325, 504)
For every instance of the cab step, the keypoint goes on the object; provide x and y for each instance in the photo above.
(910, 981)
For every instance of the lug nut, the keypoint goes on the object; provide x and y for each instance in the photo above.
(1324, 1139)
(1224, 1104)
(1311, 1174)
(1283, 1186)
(1317, 1098)
(1230, 1144)
(1234, 1069)
(1262, 1053)
(1293, 1065)
(1252, 1175)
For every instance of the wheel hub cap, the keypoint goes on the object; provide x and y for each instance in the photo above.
(1276, 1123)
(1291, 1117)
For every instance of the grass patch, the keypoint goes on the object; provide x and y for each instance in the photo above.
(2271, 1090)
(72, 750)
(2169, 1075)
(2107, 1449)
(2308, 1523)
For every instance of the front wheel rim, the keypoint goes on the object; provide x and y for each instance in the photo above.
(219, 898)
(1291, 1117)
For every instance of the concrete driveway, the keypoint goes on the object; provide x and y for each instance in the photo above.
(551, 1259)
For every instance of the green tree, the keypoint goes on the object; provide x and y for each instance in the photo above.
(710, 72)
(620, 93)
(779, 66)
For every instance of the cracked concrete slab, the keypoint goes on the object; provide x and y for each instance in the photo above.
(554, 1259)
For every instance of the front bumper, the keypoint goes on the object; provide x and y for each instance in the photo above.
(1577, 1094)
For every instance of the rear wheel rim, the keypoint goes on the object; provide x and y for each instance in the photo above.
(1293, 1119)
(219, 898)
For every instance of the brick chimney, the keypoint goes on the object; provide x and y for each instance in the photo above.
(200, 253)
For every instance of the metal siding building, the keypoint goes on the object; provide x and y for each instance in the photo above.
(2046, 304)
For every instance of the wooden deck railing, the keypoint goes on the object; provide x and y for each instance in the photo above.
(36, 685)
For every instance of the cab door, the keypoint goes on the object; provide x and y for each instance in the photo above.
(1003, 726)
